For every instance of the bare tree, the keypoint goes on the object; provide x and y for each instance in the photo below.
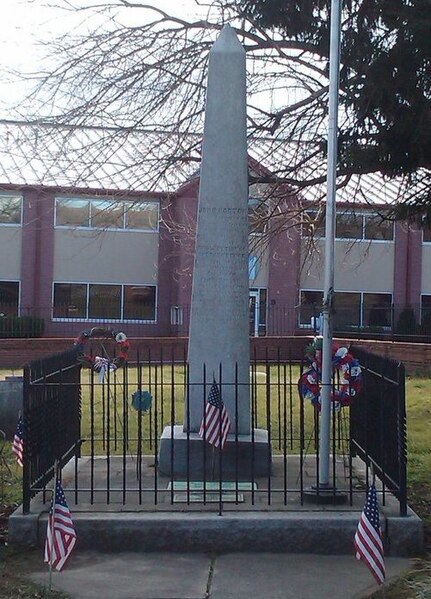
(148, 80)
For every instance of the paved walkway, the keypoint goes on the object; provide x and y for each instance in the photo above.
(92, 575)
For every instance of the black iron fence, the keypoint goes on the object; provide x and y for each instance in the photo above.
(378, 422)
(124, 429)
(52, 415)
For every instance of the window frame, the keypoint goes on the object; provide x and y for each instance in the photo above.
(363, 216)
(93, 201)
(18, 196)
(304, 235)
(422, 306)
(88, 318)
(362, 325)
(18, 304)
(262, 324)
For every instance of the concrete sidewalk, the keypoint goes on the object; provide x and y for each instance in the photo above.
(91, 575)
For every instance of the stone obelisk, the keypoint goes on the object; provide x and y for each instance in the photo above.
(219, 320)
(219, 342)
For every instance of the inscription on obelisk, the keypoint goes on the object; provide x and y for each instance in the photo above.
(219, 324)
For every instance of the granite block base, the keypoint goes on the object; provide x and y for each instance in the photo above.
(183, 455)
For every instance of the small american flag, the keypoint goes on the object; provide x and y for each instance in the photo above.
(18, 442)
(60, 534)
(215, 422)
(368, 537)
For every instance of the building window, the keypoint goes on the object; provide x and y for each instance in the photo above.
(70, 300)
(253, 267)
(426, 235)
(310, 306)
(347, 310)
(9, 298)
(377, 310)
(313, 224)
(352, 309)
(93, 301)
(376, 227)
(106, 214)
(426, 314)
(257, 305)
(142, 215)
(10, 209)
(348, 226)
(72, 213)
(104, 301)
(139, 302)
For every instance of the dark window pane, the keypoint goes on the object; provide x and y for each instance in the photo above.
(377, 309)
(427, 234)
(70, 212)
(142, 215)
(347, 310)
(426, 313)
(104, 301)
(107, 214)
(139, 302)
(10, 210)
(9, 297)
(378, 228)
(348, 226)
(313, 224)
(311, 306)
(70, 300)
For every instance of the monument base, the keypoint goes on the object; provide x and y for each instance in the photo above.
(325, 495)
(182, 456)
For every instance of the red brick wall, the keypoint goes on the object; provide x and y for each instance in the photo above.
(14, 353)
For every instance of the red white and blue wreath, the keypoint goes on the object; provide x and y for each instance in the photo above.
(102, 364)
(347, 376)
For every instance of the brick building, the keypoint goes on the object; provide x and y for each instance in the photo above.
(87, 242)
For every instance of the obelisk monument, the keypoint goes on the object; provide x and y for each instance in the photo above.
(219, 320)
(219, 343)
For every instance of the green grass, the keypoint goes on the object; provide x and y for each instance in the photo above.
(104, 409)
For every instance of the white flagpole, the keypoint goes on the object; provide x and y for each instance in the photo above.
(334, 84)
(50, 539)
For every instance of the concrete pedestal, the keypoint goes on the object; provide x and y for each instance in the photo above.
(190, 456)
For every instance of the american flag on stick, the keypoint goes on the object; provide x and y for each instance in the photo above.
(215, 423)
(368, 537)
(18, 442)
(60, 534)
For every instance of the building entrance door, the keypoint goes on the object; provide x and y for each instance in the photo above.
(254, 313)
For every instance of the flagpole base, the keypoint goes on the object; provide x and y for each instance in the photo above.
(185, 455)
(324, 495)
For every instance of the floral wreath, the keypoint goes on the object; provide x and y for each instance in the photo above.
(347, 385)
(97, 363)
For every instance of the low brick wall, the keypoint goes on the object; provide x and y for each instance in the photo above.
(14, 353)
